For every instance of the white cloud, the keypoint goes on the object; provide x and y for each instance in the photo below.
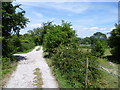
(112, 28)
(34, 25)
(92, 29)
(72, 7)
(39, 15)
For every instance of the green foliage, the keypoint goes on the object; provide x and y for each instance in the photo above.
(67, 60)
(98, 48)
(99, 43)
(98, 36)
(16, 44)
(114, 41)
(9, 46)
(12, 21)
(27, 42)
(63, 47)
(36, 35)
(85, 46)
(58, 35)
(8, 65)
(85, 41)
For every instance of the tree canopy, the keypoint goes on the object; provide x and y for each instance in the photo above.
(12, 20)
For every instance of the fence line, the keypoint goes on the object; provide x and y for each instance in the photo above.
(102, 69)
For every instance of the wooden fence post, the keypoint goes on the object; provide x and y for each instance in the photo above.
(86, 79)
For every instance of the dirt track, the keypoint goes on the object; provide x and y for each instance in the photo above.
(23, 77)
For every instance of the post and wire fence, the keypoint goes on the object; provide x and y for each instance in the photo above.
(101, 68)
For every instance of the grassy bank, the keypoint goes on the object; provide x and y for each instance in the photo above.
(108, 80)
(7, 69)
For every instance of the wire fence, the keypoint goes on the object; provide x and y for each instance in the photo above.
(98, 67)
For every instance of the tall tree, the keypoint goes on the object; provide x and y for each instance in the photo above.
(12, 20)
(114, 40)
(99, 35)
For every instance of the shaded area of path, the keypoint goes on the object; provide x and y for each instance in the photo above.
(24, 75)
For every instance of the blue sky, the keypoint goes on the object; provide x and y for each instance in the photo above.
(86, 17)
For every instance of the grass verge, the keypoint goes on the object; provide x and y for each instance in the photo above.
(108, 80)
(6, 73)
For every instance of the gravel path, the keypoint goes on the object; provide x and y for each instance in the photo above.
(23, 76)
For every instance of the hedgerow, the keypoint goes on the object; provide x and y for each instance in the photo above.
(62, 44)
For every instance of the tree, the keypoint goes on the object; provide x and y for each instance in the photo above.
(98, 48)
(99, 35)
(12, 21)
(58, 35)
(114, 41)
(86, 40)
(99, 41)
(36, 35)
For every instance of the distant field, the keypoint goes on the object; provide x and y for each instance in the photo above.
(85, 46)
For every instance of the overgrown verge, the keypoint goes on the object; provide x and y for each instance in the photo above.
(8, 66)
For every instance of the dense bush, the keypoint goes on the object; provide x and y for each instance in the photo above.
(59, 35)
(67, 60)
(61, 42)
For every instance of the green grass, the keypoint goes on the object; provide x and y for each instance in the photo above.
(108, 81)
(85, 46)
(107, 52)
(6, 73)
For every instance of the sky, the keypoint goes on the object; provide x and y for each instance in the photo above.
(86, 17)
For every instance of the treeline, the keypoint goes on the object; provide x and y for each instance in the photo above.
(99, 43)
